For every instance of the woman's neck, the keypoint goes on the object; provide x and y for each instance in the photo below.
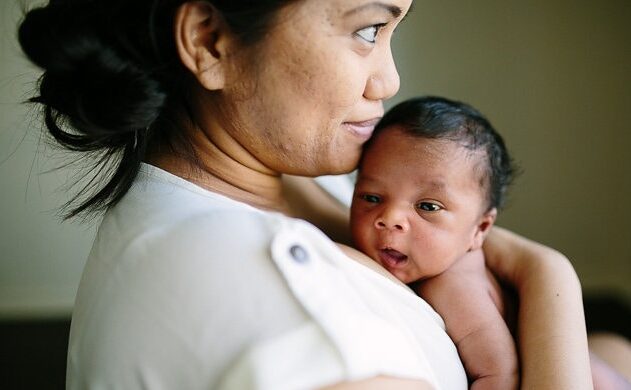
(221, 165)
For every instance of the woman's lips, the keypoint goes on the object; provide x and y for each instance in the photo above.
(392, 259)
(362, 129)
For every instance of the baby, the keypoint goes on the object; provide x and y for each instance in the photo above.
(429, 186)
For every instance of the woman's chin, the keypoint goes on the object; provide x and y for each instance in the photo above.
(344, 162)
(331, 163)
(342, 169)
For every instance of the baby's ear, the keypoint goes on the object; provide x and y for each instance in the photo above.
(483, 228)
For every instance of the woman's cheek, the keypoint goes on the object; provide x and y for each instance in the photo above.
(344, 82)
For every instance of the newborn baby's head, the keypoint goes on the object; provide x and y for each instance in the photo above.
(429, 185)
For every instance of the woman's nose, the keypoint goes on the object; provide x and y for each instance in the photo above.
(392, 219)
(384, 82)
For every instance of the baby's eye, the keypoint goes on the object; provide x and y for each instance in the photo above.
(428, 206)
(370, 198)
(369, 34)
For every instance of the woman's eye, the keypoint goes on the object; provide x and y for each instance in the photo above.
(370, 198)
(428, 206)
(369, 34)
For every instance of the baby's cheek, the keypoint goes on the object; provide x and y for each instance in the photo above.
(359, 231)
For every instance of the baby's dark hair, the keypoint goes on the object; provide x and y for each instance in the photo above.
(113, 84)
(440, 118)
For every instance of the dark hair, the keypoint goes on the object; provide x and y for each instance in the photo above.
(113, 83)
(439, 118)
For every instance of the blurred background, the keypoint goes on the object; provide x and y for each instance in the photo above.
(553, 76)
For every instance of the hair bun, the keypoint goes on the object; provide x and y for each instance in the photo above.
(87, 79)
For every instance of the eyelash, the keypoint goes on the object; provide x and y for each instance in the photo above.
(376, 27)
(374, 199)
(370, 198)
(432, 205)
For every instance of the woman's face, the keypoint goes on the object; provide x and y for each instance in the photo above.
(305, 99)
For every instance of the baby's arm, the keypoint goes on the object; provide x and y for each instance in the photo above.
(464, 297)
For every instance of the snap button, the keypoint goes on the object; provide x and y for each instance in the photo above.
(299, 254)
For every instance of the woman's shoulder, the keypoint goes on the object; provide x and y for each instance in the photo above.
(165, 208)
(193, 232)
(195, 279)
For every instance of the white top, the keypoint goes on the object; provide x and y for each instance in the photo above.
(188, 289)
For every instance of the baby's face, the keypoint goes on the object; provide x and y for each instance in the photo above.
(419, 204)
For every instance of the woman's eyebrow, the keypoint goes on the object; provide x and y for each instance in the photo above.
(392, 9)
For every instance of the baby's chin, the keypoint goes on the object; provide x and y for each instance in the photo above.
(410, 274)
(408, 279)
(403, 275)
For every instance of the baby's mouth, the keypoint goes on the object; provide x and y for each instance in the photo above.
(391, 258)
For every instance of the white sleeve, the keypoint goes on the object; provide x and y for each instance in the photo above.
(303, 358)
(347, 338)
(363, 322)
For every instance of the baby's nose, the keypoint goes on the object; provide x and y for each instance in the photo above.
(392, 220)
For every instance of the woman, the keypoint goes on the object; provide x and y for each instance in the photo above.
(199, 276)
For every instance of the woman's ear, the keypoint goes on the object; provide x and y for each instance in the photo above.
(483, 228)
(202, 37)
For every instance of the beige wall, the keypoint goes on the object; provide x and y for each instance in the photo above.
(553, 76)
(40, 258)
(555, 79)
